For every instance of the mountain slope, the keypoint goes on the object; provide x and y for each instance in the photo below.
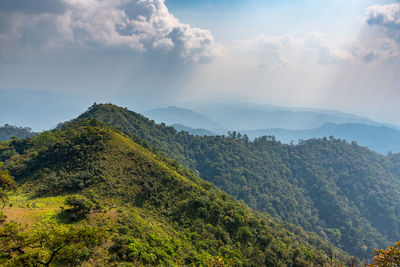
(341, 191)
(156, 212)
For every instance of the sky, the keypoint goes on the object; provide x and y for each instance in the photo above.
(66, 54)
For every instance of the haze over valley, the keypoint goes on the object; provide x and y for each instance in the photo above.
(199, 133)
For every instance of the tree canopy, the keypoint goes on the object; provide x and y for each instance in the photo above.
(341, 191)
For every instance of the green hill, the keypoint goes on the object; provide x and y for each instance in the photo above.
(343, 192)
(101, 199)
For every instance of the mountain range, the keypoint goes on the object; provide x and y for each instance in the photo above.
(247, 116)
(346, 193)
(378, 138)
(139, 186)
(183, 116)
(286, 124)
(90, 195)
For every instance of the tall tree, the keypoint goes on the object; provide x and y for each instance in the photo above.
(6, 184)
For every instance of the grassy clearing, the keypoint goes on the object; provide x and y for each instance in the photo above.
(27, 211)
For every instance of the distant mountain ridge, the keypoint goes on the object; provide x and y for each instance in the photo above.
(193, 131)
(7, 131)
(184, 116)
(286, 124)
(253, 117)
(378, 138)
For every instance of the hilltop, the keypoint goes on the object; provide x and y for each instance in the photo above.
(152, 210)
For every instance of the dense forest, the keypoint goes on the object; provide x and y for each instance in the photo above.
(9, 131)
(341, 191)
(89, 195)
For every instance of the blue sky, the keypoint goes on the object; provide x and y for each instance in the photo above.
(333, 54)
(244, 19)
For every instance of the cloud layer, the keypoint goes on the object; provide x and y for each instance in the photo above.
(136, 50)
(146, 26)
(132, 25)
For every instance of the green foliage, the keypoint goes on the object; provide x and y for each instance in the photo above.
(140, 129)
(65, 159)
(166, 215)
(6, 184)
(80, 207)
(79, 204)
(47, 244)
(341, 191)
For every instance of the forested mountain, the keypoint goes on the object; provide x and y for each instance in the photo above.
(8, 131)
(122, 205)
(378, 138)
(341, 191)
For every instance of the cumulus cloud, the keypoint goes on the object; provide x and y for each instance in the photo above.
(133, 25)
(387, 17)
(386, 20)
(380, 41)
(327, 51)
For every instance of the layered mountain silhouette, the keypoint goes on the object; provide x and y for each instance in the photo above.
(287, 125)
(378, 138)
(183, 116)
(237, 116)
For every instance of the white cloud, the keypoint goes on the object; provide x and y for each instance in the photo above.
(279, 51)
(327, 51)
(380, 41)
(137, 25)
(386, 21)
(385, 16)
